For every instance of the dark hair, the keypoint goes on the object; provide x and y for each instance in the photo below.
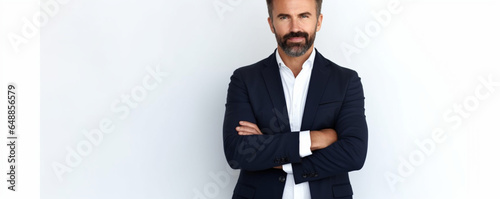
(270, 7)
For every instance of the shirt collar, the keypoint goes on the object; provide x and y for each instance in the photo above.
(308, 64)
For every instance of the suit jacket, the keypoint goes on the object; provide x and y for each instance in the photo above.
(335, 100)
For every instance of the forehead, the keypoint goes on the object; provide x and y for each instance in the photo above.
(294, 6)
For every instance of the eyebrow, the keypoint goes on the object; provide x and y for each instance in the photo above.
(305, 13)
(283, 15)
(287, 15)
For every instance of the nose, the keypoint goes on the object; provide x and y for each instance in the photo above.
(295, 25)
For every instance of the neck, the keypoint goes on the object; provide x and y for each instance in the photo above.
(294, 63)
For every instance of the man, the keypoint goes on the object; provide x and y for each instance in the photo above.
(295, 122)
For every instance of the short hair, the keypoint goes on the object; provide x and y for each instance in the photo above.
(270, 7)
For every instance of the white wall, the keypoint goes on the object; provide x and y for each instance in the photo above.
(430, 57)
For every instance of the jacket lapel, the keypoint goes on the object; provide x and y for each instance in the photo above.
(317, 84)
(274, 86)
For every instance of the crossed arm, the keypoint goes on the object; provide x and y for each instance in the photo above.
(319, 139)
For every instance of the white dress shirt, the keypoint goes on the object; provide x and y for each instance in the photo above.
(295, 89)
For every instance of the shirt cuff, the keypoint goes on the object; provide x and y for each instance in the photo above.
(288, 168)
(305, 144)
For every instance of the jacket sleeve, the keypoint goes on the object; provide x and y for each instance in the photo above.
(349, 152)
(253, 152)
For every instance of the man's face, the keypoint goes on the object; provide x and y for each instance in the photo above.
(295, 23)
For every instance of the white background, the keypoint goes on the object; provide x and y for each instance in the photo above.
(429, 58)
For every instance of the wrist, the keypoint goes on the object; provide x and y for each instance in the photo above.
(314, 140)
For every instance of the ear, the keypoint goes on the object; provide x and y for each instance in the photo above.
(320, 21)
(270, 21)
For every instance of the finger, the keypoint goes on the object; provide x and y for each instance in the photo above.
(247, 130)
(241, 133)
(247, 133)
(250, 124)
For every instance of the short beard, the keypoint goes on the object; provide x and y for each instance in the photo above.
(296, 49)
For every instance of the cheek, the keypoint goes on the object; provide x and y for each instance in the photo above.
(312, 28)
(280, 31)
(281, 27)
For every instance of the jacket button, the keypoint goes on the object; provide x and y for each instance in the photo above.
(282, 178)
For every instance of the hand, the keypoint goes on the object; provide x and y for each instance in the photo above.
(322, 139)
(248, 128)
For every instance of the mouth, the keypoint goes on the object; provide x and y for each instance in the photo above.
(296, 39)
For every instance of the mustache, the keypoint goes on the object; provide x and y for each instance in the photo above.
(296, 34)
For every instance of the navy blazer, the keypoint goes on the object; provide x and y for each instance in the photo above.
(335, 100)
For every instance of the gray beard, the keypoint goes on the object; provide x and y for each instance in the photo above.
(289, 49)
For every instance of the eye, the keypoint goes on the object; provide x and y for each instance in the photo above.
(304, 16)
(283, 17)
